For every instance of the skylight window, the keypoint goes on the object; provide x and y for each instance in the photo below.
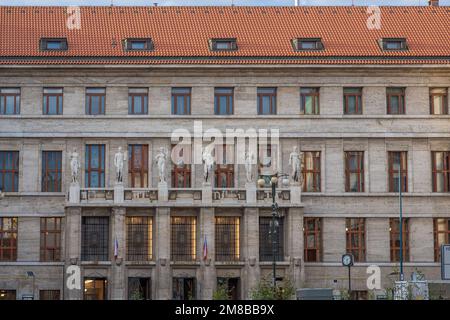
(142, 44)
(223, 44)
(58, 44)
(308, 44)
(394, 44)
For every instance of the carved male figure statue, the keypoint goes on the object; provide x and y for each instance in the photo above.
(161, 158)
(119, 159)
(74, 165)
(249, 160)
(295, 161)
(208, 162)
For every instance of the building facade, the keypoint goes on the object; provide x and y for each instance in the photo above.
(360, 117)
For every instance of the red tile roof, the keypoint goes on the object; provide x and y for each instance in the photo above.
(264, 34)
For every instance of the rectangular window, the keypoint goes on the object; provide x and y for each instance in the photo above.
(394, 44)
(438, 101)
(137, 101)
(49, 295)
(53, 101)
(138, 44)
(7, 294)
(395, 100)
(138, 165)
(53, 44)
(227, 242)
(95, 166)
(51, 239)
(184, 289)
(309, 100)
(139, 288)
(139, 238)
(8, 239)
(181, 176)
(312, 235)
(223, 101)
(352, 100)
(223, 44)
(94, 238)
(183, 238)
(308, 44)
(95, 289)
(441, 171)
(181, 101)
(356, 238)
(394, 228)
(9, 101)
(311, 171)
(51, 171)
(441, 236)
(95, 101)
(267, 101)
(224, 155)
(398, 162)
(354, 171)
(265, 239)
(9, 171)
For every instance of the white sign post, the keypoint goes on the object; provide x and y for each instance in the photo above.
(445, 262)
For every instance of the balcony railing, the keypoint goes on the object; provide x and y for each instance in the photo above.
(140, 194)
(265, 194)
(183, 194)
(96, 195)
(229, 194)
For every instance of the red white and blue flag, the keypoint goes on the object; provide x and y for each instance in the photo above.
(205, 249)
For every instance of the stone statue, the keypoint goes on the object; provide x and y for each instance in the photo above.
(208, 162)
(74, 165)
(161, 158)
(249, 160)
(119, 159)
(295, 161)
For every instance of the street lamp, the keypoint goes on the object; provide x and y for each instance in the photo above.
(274, 225)
(402, 277)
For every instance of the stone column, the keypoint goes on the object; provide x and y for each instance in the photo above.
(206, 193)
(117, 263)
(73, 254)
(250, 188)
(250, 250)
(294, 231)
(208, 272)
(163, 281)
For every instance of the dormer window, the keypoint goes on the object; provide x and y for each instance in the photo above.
(223, 44)
(54, 44)
(141, 44)
(308, 44)
(394, 44)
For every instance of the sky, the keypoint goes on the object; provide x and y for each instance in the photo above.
(218, 2)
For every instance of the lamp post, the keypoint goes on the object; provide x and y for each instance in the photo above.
(274, 223)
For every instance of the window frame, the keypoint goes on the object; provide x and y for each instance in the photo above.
(43, 44)
(401, 99)
(59, 101)
(394, 235)
(445, 170)
(52, 294)
(359, 171)
(44, 233)
(385, 41)
(142, 172)
(102, 164)
(139, 224)
(215, 41)
(265, 241)
(403, 170)
(102, 101)
(148, 44)
(436, 233)
(99, 224)
(187, 98)
(358, 100)
(136, 95)
(229, 101)
(14, 171)
(46, 170)
(315, 171)
(314, 93)
(272, 96)
(317, 233)
(4, 97)
(318, 44)
(13, 238)
(227, 251)
(444, 101)
(359, 251)
(179, 250)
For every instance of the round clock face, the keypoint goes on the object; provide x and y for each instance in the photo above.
(346, 260)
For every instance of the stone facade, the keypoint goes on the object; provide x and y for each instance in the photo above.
(332, 133)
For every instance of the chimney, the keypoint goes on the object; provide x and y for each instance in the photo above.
(433, 3)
